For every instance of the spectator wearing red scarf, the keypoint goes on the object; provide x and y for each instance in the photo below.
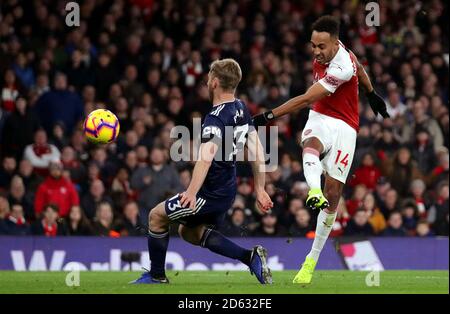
(49, 226)
(40, 153)
(57, 190)
(15, 224)
(10, 91)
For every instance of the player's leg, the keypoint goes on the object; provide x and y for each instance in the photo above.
(312, 167)
(325, 220)
(327, 216)
(337, 163)
(215, 242)
(219, 244)
(158, 241)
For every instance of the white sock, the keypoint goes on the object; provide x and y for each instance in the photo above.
(325, 223)
(312, 167)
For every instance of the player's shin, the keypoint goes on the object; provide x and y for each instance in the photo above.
(312, 167)
(325, 221)
(157, 249)
(219, 244)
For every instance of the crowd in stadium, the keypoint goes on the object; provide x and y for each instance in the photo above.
(147, 61)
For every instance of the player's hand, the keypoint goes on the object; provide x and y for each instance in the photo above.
(377, 104)
(188, 200)
(263, 202)
(263, 118)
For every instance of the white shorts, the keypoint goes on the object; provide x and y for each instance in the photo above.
(338, 139)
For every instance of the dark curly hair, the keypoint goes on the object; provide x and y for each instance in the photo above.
(328, 24)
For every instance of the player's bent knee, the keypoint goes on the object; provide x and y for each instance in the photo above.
(157, 218)
(190, 235)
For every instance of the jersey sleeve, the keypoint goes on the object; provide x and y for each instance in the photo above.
(213, 129)
(336, 76)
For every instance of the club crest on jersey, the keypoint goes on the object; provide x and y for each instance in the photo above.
(239, 114)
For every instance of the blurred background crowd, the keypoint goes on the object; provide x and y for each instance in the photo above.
(148, 60)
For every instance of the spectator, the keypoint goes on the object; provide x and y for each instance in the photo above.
(78, 71)
(423, 229)
(17, 196)
(40, 153)
(357, 199)
(19, 129)
(401, 170)
(234, 225)
(359, 225)
(121, 184)
(11, 89)
(387, 145)
(4, 207)
(50, 111)
(24, 71)
(104, 221)
(72, 164)
(421, 119)
(410, 216)
(57, 190)
(376, 218)
(153, 183)
(16, 224)
(423, 151)
(269, 227)
(302, 226)
(30, 179)
(394, 105)
(395, 226)
(438, 215)
(418, 188)
(367, 173)
(94, 198)
(390, 203)
(131, 225)
(440, 172)
(274, 98)
(49, 225)
(77, 222)
(288, 217)
(7, 171)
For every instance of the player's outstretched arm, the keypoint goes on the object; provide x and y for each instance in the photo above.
(256, 154)
(314, 93)
(207, 152)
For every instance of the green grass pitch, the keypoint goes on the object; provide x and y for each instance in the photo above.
(208, 282)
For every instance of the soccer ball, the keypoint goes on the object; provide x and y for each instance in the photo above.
(101, 126)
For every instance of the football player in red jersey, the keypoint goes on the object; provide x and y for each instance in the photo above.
(329, 137)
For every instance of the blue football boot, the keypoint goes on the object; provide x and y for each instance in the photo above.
(258, 265)
(146, 278)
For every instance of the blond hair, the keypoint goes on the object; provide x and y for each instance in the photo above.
(228, 72)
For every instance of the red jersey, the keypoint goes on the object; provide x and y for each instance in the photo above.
(61, 192)
(340, 78)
